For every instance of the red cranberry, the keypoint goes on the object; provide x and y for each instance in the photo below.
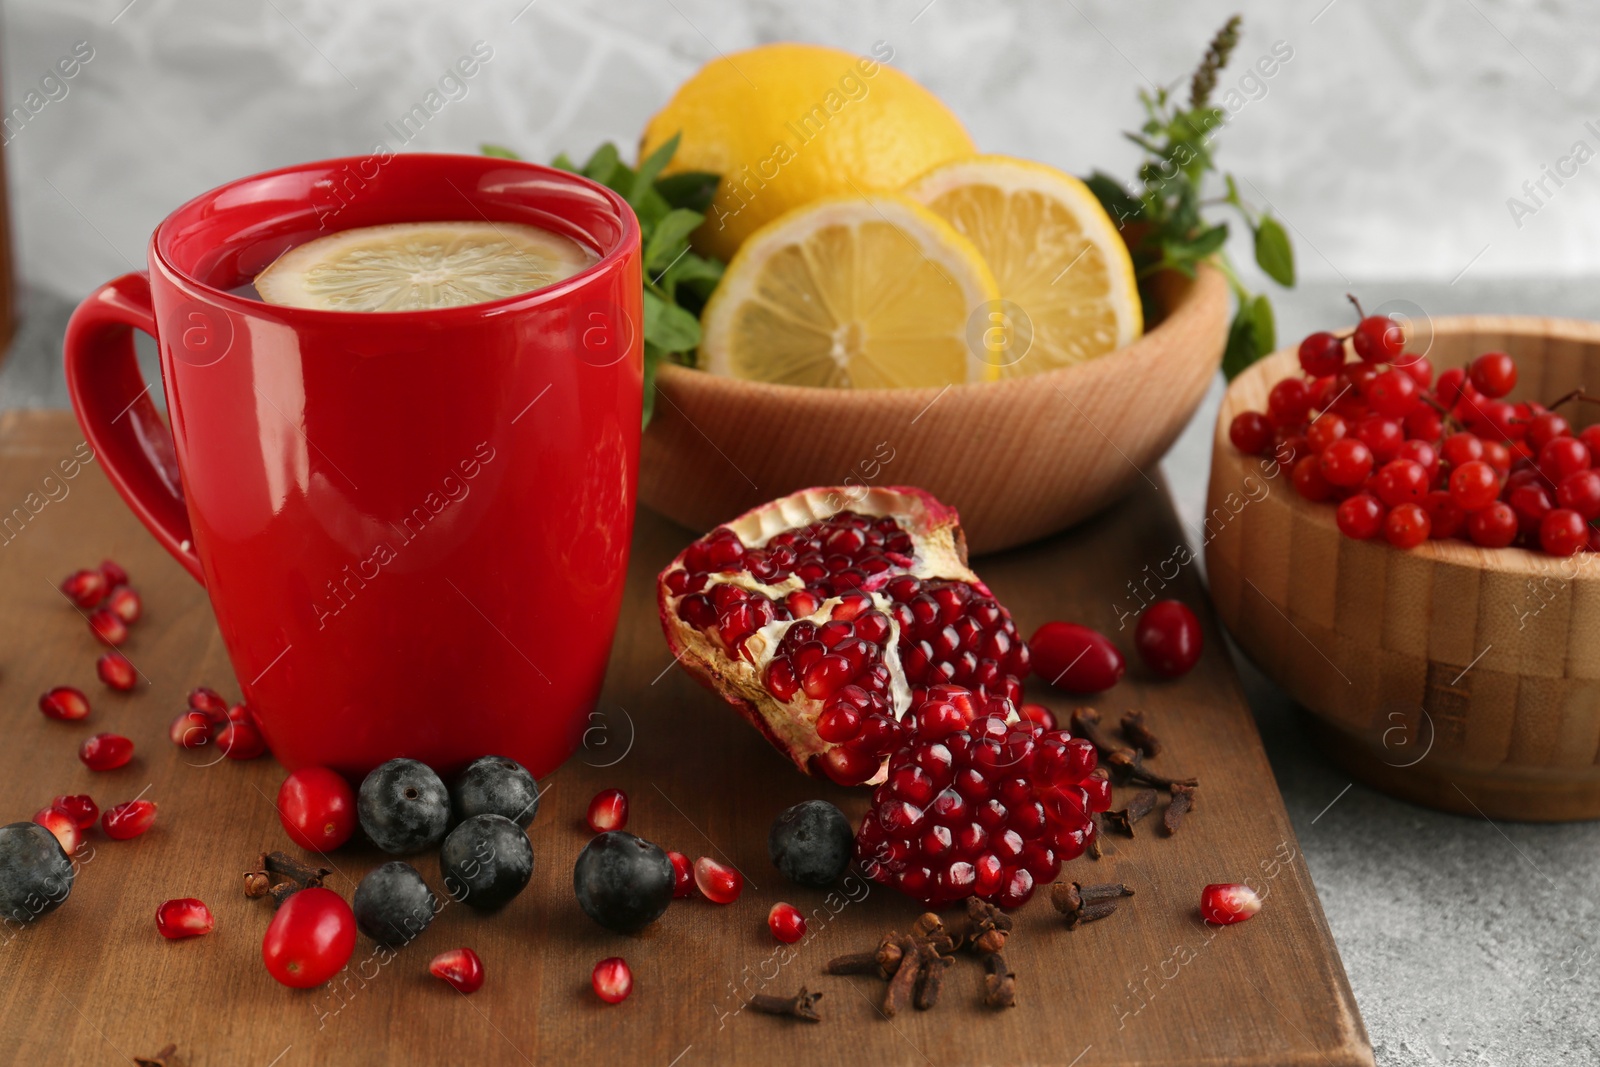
(64, 703)
(105, 752)
(1168, 638)
(184, 917)
(129, 819)
(317, 808)
(1230, 903)
(461, 967)
(786, 923)
(612, 980)
(116, 671)
(1076, 658)
(608, 810)
(310, 938)
(718, 883)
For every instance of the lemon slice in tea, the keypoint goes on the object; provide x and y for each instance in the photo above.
(418, 266)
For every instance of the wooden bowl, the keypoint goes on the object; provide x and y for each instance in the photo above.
(1020, 458)
(1457, 677)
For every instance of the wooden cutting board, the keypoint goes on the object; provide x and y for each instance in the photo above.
(1151, 985)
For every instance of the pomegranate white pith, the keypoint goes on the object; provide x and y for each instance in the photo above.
(826, 616)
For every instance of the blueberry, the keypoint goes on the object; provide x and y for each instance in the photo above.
(403, 806)
(811, 843)
(495, 785)
(35, 875)
(623, 882)
(393, 904)
(486, 861)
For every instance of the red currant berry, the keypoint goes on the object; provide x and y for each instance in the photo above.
(1308, 478)
(1418, 367)
(1546, 427)
(1345, 463)
(1168, 638)
(1563, 456)
(1446, 518)
(1448, 388)
(1494, 526)
(1498, 456)
(1383, 435)
(1327, 429)
(1424, 423)
(1474, 485)
(1393, 393)
(1531, 502)
(1563, 532)
(1590, 436)
(1321, 353)
(1423, 455)
(1494, 374)
(1406, 526)
(317, 808)
(1289, 402)
(1378, 339)
(1251, 433)
(1360, 516)
(1580, 491)
(1461, 448)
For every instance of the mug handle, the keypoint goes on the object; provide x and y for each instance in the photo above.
(118, 417)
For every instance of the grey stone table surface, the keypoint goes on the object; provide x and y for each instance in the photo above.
(1468, 942)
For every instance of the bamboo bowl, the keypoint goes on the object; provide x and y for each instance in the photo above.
(1020, 458)
(1451, 676)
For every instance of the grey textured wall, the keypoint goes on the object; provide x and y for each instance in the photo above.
(1391, 141)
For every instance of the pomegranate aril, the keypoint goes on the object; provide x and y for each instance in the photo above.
(107, 626)
(786, 923)
(1017, 888)
(184, 917)
(191, 729)
(612, 980)
(1099, 792)
(240, 739)
(125, 604)
(86, 589)
(682, 875)
(116, 671)
(1228, 903)
(113, 573)
(65, 828)
(208, 701)
(608, 811)
(80, 807)
(717, 882)
(64, 703)
(838, 723)
(105, 752)
(129, 819)
(461, 967)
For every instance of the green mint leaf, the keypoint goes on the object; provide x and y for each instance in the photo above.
(692, 189)
(669, 238)
(1263, 324)
(669, 326)
(644, 179)
(1252, 335)
(1200, 246)
(498, 151)
(564, 162)
(693, 268)
(652, 361)
(1273, 251)
(602, 166)
(1113, 197)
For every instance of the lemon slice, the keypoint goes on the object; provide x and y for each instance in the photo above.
(415, 266)
(1056, 255)
(857, 292)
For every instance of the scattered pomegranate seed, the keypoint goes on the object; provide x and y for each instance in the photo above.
(116, 671)
(85, 588)
(682, 874)
(65, 703)
(113, 573)
(125, 604)
(718, 883)
(461, 967)
(107, 626)
(184, 917)
(129, 819)
(80, 807)
(63, 825)
(608, 810)
(241, 712)
(105, 752)
(786, 923)
(192, 729)
(210, 702)
(612, 980)
(241, 740)
(1228, 903)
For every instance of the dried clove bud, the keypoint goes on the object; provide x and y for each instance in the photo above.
(283, 891)
(1138, 734)
(256, 884)
(987, 927)
(902, 985)
(1090, 913)
(1182, 801)
(281, 863)
(889, 954)
(1086, 903)
(1086, 723)
(852, 963)
(930, 980)
(999, 984)
(803, 1005)
(1096, 849)
(1142, 804)
(160, 1059)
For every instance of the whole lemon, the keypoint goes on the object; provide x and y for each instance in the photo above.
(789, 124)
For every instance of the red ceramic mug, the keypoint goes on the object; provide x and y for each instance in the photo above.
(413, 526)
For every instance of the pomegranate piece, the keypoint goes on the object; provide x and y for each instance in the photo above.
(63, 825)
(81, 808)
(612, 980)
(85, 588)
(125, 604)
(241, 740)
(786, 923)
(116, 671)
(991, 811)
(682, 875)
(105, 752)
(184, 917)
(113, 573)
(718, 882)
(210, 702)
(1228, 903)
(1076, 658)
(64, 703)
(461, 967)
(823, 626)
(128, 819)
(608, 811)
(107, 626)
(192, 729)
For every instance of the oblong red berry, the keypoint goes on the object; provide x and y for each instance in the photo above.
(105, 752)
(85, 588)
(128, 819)
(64, 703)
(116, 671)
(1076, 658)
